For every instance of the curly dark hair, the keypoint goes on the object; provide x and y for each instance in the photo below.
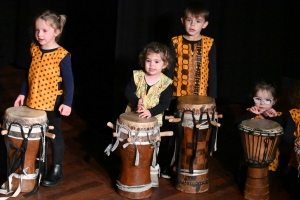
(156, 47)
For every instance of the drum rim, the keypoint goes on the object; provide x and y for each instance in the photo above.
(11, 114)
(185, 99)
(132, 119)
(278, 130)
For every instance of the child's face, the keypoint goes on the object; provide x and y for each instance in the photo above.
(193, 25)
(154, 64)
(264, 100)
(45, 34)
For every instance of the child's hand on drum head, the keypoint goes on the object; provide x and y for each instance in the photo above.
(297, 142)
(64, 110)
(20, 100)
(144, 113)
(140, 104)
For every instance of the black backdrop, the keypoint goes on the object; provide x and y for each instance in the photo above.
(255, 39)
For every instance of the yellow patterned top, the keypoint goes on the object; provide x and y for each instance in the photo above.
(150, 99)
(191, 70)
(43, 78)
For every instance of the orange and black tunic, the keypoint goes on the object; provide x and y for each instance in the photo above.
(194, 71)
(44, 82)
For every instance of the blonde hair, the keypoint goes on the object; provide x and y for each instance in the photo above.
(54, 20)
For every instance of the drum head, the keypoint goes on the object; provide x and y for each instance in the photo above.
(261, 126)
(25, 115)
(132, 120)
(196, 102)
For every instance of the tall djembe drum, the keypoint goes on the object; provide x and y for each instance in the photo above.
(137, 142)
(260, 139)
(197, 115)
(24, 131)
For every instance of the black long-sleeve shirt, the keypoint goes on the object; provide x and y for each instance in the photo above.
(164, 99)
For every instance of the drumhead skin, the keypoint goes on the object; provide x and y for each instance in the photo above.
(25, 116)
(261, 126)
(196, 103)
(132, 120)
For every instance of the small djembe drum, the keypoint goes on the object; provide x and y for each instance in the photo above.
(137, 144)
(24, 132)
(260, 139)
(197, 114)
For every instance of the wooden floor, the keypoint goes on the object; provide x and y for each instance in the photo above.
(90, 174)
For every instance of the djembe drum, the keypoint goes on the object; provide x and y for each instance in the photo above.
(24, 132)
(197, 113)
(260, 139)
(137, 142)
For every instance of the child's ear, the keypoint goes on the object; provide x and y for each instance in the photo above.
(182, 20)
(57, 32)
(205, 25)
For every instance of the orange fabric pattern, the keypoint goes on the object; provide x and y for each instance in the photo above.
(191, 70)
(43, 78)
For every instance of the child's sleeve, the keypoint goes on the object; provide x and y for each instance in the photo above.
(289, 130)
(68, 80)
(247, 115)
(164, 102)
(130, 93)
(212, 77)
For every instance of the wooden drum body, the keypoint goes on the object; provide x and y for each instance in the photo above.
(138, 139)
(260, 139)
(193, 166)
(23, 141)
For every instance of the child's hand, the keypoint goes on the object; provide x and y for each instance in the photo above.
(270, 113)
(140, 104)
(144, 113)
(297, 143)
(19, 101)
(255, 110)
(64, 110)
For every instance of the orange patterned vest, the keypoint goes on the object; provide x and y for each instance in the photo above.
(43, 78)
(191, 70)
(273, 166)
(295, 114)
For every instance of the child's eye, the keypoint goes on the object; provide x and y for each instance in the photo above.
(269, 100)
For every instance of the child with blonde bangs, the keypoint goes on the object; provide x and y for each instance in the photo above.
(50, 71)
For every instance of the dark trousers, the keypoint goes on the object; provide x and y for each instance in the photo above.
(58, 145)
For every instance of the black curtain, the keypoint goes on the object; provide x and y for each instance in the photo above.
(255, 40)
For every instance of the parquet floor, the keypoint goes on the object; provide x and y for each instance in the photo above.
(89, 174)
